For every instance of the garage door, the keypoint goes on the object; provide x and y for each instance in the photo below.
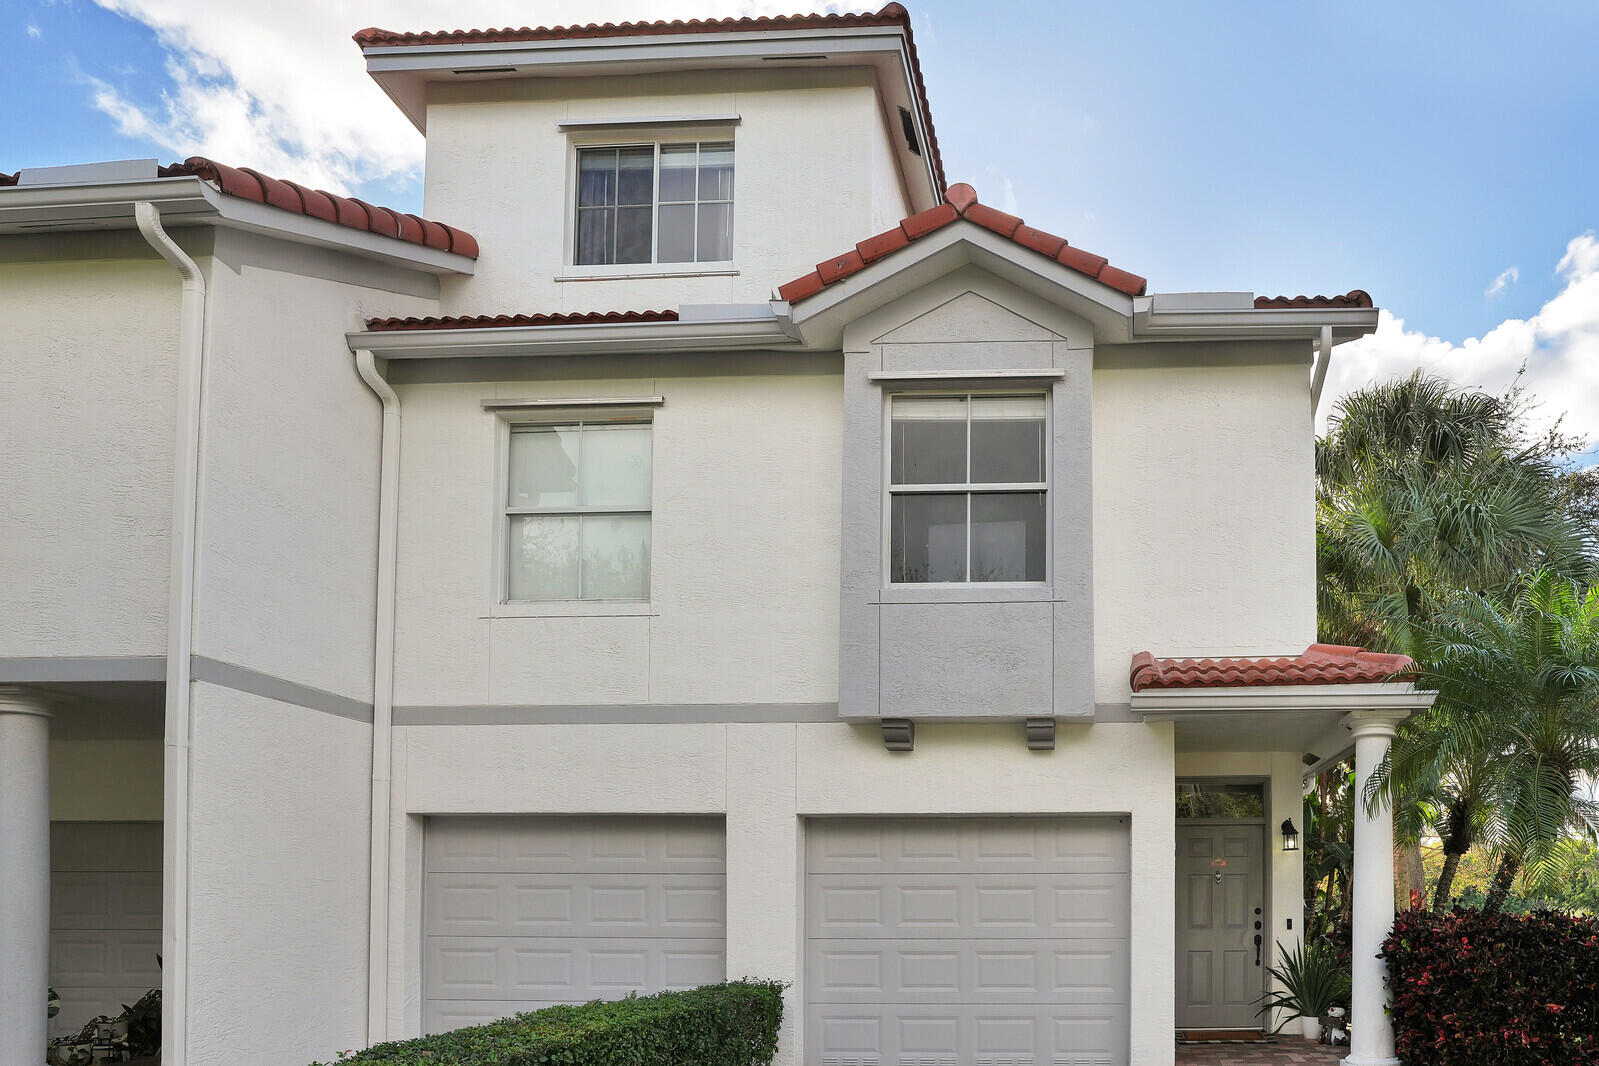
(995, 942)
(105, 917)
(521, 913)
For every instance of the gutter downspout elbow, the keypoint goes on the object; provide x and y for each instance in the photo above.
(382, 700)
(1324, 348)
(180, 637)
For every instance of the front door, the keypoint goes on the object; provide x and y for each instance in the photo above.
(1221, 952)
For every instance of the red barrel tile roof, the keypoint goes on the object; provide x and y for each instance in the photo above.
(1355, 298)
(1319, 664)
(960, 202)
(891, 15)
(286, 195)
(557, 318)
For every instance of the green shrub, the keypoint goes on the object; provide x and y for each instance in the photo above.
(733, 1024)
(1476, 989)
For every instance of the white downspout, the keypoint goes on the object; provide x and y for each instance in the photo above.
(1319, 377)
(382, 700)
(180, 639)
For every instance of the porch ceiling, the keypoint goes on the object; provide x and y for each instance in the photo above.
(108, 710)
(1310, 719)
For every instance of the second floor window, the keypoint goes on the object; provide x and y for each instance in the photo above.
(577, 512)
(967, 487)
(655, 203)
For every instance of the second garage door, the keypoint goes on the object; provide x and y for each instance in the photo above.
(521, 913)
(943, 941)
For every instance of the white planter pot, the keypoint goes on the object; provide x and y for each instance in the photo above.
(1311, 1028)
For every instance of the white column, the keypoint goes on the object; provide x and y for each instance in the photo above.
(24, 873)
(1372, 1040)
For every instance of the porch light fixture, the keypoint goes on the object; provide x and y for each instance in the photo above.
(1290, 835)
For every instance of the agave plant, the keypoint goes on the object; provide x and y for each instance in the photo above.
(1311, 981)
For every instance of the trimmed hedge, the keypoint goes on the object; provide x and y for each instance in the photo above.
(1475, 989)
(732, 1024)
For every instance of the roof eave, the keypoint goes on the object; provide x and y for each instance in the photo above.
(193, 201)
(1252, 323)
(1175, 704)
(103, 205)
(760, 334)
(403, 71)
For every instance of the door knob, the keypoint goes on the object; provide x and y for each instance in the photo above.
(1257, 949)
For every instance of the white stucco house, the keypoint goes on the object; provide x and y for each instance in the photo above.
(706, 544)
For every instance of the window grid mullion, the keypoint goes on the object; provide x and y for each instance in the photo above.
(655, 209)
(580, 435)
(968, 574)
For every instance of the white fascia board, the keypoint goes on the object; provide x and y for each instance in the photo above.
(29, 208)
(189, 200)
(1347, 323)
(821, 318)
(1170, 704)
(248, 215)
(613, 338)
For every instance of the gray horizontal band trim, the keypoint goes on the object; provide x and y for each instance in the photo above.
(575, 401)
(243, 679)
(572, 125)
(1040, 374)
(1115, 712)
(84, 668)
(632, 714)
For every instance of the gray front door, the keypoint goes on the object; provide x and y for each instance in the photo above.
(1221, 951)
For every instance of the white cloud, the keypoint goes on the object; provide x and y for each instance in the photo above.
(1506, 278)
(281, 87)
(1558, 346)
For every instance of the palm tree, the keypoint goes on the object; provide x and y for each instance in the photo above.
(1516, 733)
(1425, 489)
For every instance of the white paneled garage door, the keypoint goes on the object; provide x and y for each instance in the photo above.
(967, 942)
(105, 917)
(525, 912)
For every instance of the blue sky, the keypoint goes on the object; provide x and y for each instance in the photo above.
(1419, 151)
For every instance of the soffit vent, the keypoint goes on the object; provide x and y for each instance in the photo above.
(908, 124)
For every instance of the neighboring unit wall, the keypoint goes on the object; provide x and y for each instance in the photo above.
(87, 394)
(278, 837)
(289, 462)
(744, 567)
(281, 754)
(809, 178)
(106, 780)
(1204, 531)
(976, 650)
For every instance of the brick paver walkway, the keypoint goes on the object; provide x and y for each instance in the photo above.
(1288, 1051)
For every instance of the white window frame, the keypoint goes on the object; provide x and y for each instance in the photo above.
(969, 488)
(655, 140)
(515, 415)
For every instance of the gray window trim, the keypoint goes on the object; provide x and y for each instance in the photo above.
(969, 488)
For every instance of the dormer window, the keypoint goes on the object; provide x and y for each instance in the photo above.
(655, 203)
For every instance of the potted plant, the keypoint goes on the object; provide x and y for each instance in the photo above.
(1310, 982)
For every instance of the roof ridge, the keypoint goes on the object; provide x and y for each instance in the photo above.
(546, 318)
(1319, 664)
(961, 202)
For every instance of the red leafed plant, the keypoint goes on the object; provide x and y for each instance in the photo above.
(1477, 989)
